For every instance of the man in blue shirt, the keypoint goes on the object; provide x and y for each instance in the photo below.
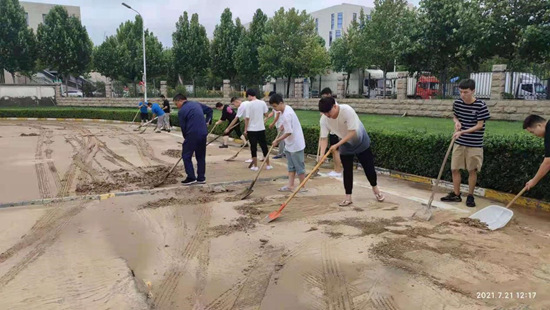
(206, 110)
(194, 131)
(144, 113)
(157, 111)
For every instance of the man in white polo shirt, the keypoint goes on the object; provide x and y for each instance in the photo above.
(342, 120)
(293, 137)
(254, 127)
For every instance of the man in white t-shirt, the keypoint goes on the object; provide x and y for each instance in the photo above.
(254, 127)
(293, 137)
(341, 120)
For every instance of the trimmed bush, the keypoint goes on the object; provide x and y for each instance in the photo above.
(509, 161)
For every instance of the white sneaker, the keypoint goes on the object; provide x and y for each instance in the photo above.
(269, 167)
(254, 168)
(248, 160)
(334, 174)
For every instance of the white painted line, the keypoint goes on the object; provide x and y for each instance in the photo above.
(51, 119)
(32, 119)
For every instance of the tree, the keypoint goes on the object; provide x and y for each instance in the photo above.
(246, 53)
(121, 56)
(509, 24)
(64, 44)
(190, 48)
(292, 48)
(344, 53)
(17, 41)
(385, 34)
(223, 46)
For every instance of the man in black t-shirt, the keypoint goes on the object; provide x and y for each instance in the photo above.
(540, 127)
(228, 114)
(166, 109)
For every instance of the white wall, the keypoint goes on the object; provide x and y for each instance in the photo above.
(23, 91)
(36, 10)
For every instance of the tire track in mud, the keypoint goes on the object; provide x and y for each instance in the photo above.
(43, 182)
(331, 281)
(167, 288)
(42, 235)
(249, 291)
(145, 151)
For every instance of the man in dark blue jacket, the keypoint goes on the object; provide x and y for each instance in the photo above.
(208, 112)
(194, 131)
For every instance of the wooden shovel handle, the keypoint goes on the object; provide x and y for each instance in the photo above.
(212, 130)
(263, 163)
(441, 172)
(516, 198)
(304, 181)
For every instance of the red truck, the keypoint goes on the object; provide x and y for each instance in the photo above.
(425, 87)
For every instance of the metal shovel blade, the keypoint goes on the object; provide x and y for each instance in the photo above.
(272, 216)
(494, 216)
(244, 194)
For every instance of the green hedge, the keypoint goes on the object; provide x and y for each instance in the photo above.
(510, 161)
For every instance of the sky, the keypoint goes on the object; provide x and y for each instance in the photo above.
(102, 17)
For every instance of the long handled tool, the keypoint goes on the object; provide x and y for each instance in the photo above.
(146, 124)
(428, 210)
(218, 136)
(249, 190)
(135, 116)
(236, 154)
(318, 154)
(167, 174)
(212, 130)
(496, 216)
(275, 214)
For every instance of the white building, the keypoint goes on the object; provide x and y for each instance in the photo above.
(35, 13)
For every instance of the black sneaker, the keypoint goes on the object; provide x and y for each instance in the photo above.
(470, 202)
(452, 197)
(223, 146)
(188, 181)
(201, 182)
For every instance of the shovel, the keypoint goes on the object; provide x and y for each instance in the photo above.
(217, 137)
(169, 172)
(135, 116)
(427, 214)
(249, 190)
(275, 214)
(143, 125)
(496, 216)
(235, 156)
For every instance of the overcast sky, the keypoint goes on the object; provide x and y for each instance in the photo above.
(102, 17)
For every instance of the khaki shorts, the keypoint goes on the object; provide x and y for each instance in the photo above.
(467, 158)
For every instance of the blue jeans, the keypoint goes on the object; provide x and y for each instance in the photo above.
(197, 146)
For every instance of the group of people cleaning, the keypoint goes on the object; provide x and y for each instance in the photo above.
(341, 132)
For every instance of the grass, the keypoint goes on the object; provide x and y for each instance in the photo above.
(376, 122)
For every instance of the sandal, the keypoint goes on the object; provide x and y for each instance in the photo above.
(285, 189)
(379, 197)
(345, 203)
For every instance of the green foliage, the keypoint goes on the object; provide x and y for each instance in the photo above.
(246, 53)
(64, 44)
(18, 46)
(226, 39)
(292, 48)
(191, 48)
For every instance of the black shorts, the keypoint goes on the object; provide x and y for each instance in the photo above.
(333, 139)
(144, 116)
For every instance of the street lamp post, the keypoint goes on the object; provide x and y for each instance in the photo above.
(144, 61)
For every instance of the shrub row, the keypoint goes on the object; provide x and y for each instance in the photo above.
(509, 161)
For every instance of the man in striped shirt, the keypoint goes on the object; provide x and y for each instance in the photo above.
(470, 115)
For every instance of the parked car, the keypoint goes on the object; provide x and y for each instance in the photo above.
(74, 93)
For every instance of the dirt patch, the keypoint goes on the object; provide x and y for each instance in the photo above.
(312, 229)
(472, 223)
(396, 248)
(175, 201)
(172, 153)
(242, 223)
(356, 209)
(375, 227)
(334, 235)
(249, 210)
(216, 189)
(29, 135)
(122, 180)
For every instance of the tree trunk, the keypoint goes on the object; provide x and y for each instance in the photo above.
(320, 77)
(384, 87)
(135, 89)
(13, 77)
(66, 85)
(288, 86)
(194, 89)
(347, 84)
